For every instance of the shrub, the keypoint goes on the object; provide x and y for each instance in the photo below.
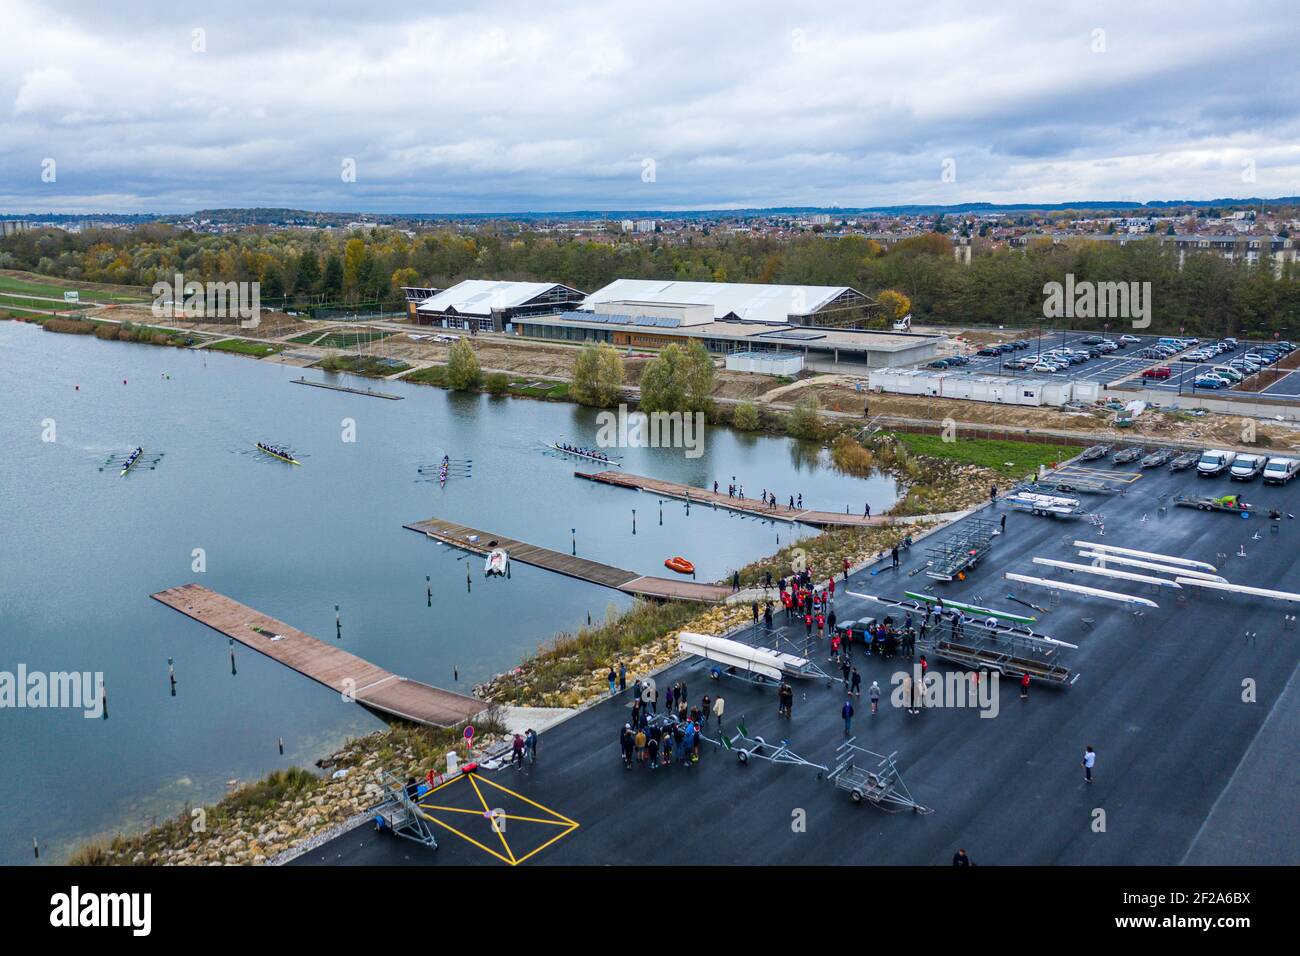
(498, 383)
(804, 420)
(598, 376)
(746, 417)
(463, 371)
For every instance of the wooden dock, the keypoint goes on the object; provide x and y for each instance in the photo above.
(477, 541)
(327, 664)
(749, 506)
(368, 392)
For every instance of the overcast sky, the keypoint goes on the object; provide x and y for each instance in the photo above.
(154, 106)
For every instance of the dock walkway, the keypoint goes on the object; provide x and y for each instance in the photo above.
(477, 541)
(366, 683)
(749, 506)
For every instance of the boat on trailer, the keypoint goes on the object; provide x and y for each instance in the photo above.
(1161, 456)
(1184, 461)
(1094, 452)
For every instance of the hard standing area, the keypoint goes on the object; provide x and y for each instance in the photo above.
(1186, 706)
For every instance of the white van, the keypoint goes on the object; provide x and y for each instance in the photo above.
(1247, 467)
(1214, 462)
(1279, 471)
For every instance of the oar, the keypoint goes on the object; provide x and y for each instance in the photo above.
(1012, 597)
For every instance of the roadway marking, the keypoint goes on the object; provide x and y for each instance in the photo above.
(487, 813)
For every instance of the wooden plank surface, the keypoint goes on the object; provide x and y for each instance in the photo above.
(328, 664)
(459, 536)
(750, 506)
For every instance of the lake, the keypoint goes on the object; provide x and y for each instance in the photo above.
(82, 549)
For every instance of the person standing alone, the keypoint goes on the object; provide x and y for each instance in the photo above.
(1089, 761)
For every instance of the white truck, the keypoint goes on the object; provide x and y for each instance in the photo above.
(1214, 462)
(1247, 467)
(1279, 471)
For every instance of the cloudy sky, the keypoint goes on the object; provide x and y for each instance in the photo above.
(395, 106)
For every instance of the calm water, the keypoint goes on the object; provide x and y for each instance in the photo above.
(81, 550)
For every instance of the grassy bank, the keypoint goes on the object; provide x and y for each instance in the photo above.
(1011, 459)
(246, 347)
(367, 365)
(522, 387)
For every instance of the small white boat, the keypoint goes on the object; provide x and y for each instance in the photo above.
(498, 562)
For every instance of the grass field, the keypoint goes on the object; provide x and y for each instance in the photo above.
(1012, 458)
(245, 347)
(341, 340)
(54, 288)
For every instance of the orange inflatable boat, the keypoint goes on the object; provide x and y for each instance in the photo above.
(680, 565)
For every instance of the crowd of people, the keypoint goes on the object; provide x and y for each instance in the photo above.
(655, 739)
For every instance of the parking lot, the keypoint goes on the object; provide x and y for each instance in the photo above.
(1187, 770)
(1124, 367)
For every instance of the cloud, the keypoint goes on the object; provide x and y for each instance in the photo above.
(502, 106)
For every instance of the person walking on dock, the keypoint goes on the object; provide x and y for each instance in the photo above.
(801, 499)
(1089, 761)
(847, 713)
(866, 510)
(715, 487)
(873, 694)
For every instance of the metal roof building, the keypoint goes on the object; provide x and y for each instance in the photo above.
(491, 305)
(736, 301)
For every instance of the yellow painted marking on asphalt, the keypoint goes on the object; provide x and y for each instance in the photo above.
(559, 819)
(491, 815)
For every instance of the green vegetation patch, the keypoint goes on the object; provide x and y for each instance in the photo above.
(368, 365)
(245, 347)
(341, 340)
(1014, 459)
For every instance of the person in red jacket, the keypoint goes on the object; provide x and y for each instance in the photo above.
(807, 622)
(1024, 686)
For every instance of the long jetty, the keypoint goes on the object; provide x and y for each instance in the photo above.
(368, 392)
(748, 506)
(349, 675)
(477, 541)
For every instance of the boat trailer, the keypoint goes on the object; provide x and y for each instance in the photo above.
(960, 553)
(399, 813)
(882, 787)
(746, 748)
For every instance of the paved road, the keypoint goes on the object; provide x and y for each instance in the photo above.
(1159, 696)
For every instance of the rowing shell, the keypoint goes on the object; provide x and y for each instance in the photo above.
(132, 459)
(973, 608)
(582, 454)
(276, 454)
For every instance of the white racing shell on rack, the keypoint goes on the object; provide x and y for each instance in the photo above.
(756, 660)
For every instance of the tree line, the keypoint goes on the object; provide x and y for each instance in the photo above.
(1000, 285)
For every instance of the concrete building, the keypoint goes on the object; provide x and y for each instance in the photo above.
(778, 320)
(983, 388)
(484, 305)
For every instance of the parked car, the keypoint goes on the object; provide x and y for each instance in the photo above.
(957, 360)
(1160, 371)
(1230, 373)
(1130, 339)
(989, 350)
(1210, 383)
(938, 363)
(1045, 367)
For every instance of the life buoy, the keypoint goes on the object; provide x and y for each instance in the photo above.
(680, 565)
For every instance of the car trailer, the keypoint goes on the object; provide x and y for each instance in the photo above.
(1207, 503)
(882, 787)
(399, 813)
(960, 553)
(1036, 503)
